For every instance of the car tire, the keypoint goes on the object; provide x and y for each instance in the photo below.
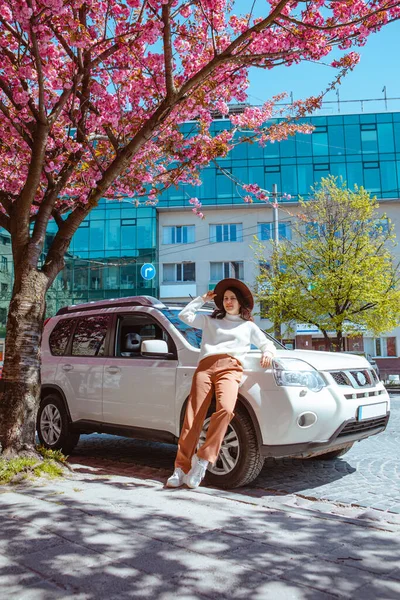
(239, 461)
(53, 425)
(333, 454)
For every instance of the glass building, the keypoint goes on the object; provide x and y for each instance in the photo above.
(363, 149)
(112, 244)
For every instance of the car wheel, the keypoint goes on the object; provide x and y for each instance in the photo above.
(239, 460)
(333, 454)
(53, 425)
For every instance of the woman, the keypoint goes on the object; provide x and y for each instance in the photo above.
(227, 337)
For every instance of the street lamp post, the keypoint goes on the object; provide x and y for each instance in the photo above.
(275, 252)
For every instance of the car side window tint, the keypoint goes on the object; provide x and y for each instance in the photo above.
(90, 334)
(133, 330)
(59, 337)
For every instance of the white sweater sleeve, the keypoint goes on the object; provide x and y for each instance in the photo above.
(190, 316)
(259, 339)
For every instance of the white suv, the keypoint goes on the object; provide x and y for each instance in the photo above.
(125, 367)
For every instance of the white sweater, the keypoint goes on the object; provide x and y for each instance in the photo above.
(231, 335)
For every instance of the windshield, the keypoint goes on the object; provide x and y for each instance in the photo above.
(193, 336)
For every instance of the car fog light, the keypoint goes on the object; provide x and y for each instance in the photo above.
(306, 419)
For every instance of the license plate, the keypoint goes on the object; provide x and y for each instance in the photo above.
(372, 410)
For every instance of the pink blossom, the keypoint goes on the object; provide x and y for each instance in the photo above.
(126, 86)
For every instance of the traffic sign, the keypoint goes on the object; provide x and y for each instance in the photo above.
(148, 271)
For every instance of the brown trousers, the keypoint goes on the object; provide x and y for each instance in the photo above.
(219, 374)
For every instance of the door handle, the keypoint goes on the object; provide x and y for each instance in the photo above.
(113, 370)
(67, 367)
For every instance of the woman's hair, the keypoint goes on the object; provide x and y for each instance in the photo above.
(244, 311)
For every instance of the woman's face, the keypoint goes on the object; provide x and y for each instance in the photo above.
(231, 304)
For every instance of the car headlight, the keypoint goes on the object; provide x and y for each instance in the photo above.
(297, 373)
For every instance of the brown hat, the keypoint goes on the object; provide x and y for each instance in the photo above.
(228, 284)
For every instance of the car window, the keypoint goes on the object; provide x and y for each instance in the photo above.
(59, 337)
(192, 335)
(132, 330)
(90, 334)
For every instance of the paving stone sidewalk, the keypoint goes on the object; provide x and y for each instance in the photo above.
(96, 535)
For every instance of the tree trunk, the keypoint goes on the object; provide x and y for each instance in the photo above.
(338, 346)
(20, 391)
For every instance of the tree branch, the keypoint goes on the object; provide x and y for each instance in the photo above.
(5, 222)
(39, 70)
(336, 25)
(16, 126)
(63, 99)
(55, 256)
(168, 60)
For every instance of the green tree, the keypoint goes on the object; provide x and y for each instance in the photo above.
(338, 272)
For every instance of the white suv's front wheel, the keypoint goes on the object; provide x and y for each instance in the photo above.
(239, 461)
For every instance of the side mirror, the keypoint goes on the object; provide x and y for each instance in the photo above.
(150, 347)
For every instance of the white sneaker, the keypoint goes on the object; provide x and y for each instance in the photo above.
(197, 472)
(177, 478)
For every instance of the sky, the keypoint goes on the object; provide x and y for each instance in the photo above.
(379, 67)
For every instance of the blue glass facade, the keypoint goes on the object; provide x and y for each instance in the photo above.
(106, 255)
(109, 248)
(363, 149)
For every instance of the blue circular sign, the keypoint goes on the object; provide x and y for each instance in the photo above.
(148, 271)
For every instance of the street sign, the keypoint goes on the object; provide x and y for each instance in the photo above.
(148, 271)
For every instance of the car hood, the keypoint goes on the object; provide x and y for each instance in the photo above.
(327, 361)
(322, 361)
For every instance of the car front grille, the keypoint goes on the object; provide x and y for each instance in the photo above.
(363, 426)
(341, 378)
(360, 378)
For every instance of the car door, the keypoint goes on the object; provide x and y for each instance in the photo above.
(139, 391)
(80, 370)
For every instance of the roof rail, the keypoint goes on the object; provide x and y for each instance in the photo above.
(112, 303)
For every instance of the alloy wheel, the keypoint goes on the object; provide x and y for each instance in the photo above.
(228, 455)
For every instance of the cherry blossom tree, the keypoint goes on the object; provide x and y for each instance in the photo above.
(92, 96)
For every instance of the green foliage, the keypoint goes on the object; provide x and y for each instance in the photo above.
(19, 468)
(338, 272)
(56, 455)
(10, 468)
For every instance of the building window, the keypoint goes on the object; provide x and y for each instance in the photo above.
(221, 270)
(320, 129)
(179, 234)
(369, 139)
(385, 347)
(368, 127)
(4, 264)
(173, 272)
(230, 232)
(128, 234)
(266, 231)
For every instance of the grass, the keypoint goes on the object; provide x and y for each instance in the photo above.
(19, 468)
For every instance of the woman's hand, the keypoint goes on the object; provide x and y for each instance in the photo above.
(266, 360)
(208, 296)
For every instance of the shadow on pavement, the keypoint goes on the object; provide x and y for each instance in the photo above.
(125, 456)
(149, 542)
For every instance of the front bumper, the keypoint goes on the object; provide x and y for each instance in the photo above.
(349, 432)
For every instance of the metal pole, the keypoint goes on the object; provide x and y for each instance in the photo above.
(275, 214)
(275, 257)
